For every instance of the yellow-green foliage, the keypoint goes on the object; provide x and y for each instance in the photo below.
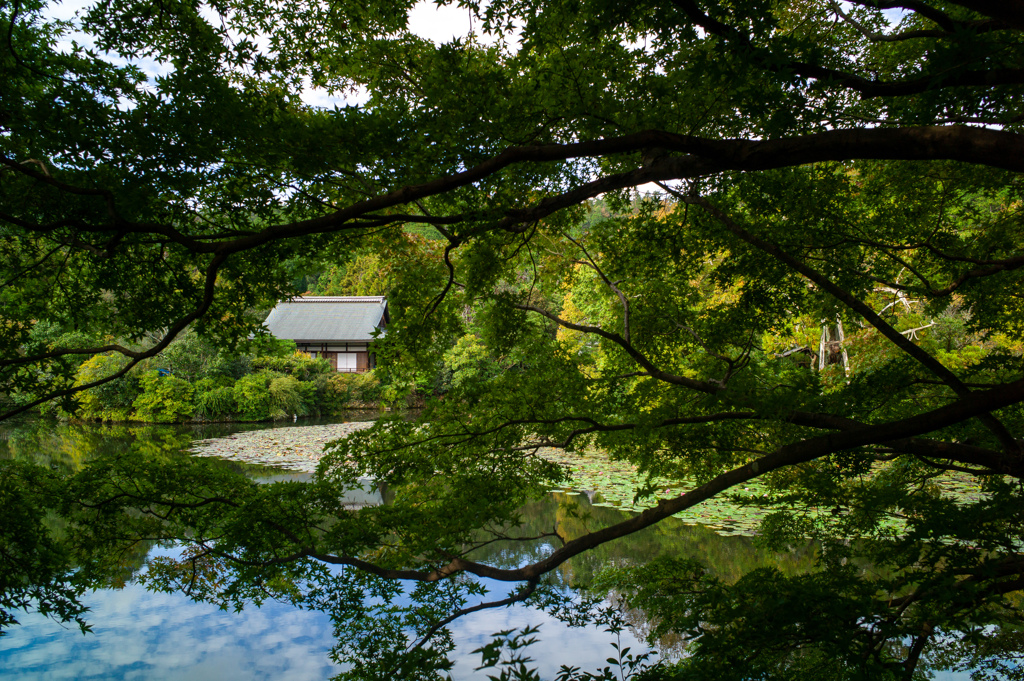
(469, 359)
(252, 396)
(299, 364)
(214, 402)
(366, 275)
(350, 391)
(285, 397)
(164, 399)
(112, 401)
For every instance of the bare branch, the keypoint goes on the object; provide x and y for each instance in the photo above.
(590, 262)
(517, 597)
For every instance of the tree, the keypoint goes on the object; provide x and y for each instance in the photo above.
(816, 161)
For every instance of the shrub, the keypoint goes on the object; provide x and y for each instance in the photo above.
(215, 403)
(285, 397)
(310, 398)
(191, 357)
(266, 345)
(164, 399)
(252, 395)
(112, 401)
(298, 364)
(351, 391)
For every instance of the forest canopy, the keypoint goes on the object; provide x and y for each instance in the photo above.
(774, 240)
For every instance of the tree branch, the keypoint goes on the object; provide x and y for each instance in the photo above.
(517, 597)
(1009, 11)
(638, 357)
(855, 304)
(803, 451)
(136, 357)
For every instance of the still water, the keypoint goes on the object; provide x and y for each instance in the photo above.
(138, 634)
(144, 636)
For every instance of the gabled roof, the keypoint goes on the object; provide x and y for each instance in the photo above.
(328, 318)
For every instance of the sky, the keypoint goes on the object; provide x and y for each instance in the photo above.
(439, 24)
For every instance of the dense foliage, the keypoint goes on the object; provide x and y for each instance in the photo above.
(271, 387)
(822, 293)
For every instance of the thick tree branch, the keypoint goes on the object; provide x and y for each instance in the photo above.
(1009, 11)
(874, 36)
(865, 87)
(803, 451)
(917, 6)
(701, 157)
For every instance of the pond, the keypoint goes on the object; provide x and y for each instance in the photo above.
(138, 634)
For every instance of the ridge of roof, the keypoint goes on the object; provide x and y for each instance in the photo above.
(336, 299)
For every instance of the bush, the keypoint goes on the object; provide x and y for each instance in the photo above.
(252, 396)
(285, 397)
(164, 399)
(298, 364)
(350, 391)
(212, 383)
(215, 403)
(266, 345)
(112, 401)
(310, 398)
(191, 357)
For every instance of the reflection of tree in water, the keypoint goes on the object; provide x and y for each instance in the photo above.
(387, 632)
(63, 447)
(46, 563)
(726, 557)
(66, 447)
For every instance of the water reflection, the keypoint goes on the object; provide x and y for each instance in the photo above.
(166, 637)
(65, 446)
(142, 635)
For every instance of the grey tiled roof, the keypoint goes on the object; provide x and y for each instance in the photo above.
(328, 318)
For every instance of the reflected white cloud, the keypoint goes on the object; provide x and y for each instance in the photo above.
(156, 637)
(557, 644)
(142, 635)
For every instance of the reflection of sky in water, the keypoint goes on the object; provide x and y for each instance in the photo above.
(139, 635)
(142, 635)
(556, 644)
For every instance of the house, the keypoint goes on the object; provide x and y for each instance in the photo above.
(337, 328)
